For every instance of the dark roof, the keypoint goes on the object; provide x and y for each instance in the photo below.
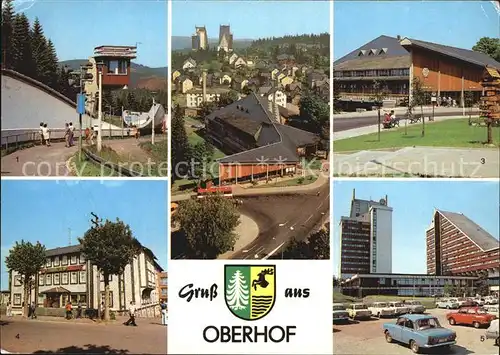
(64, 250)
(375, 62)
(466, 55)
(474, 232)
(394, 49)
(275, 142)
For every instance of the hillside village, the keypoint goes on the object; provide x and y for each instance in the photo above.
(281, 69)
(265, 106)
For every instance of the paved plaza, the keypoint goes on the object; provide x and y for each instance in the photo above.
(73, 336)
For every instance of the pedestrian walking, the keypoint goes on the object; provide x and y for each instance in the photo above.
(67, 134)
(163, 307)
(46, 134)
(69, 310)
(79, 310)
(131, 314)
(9, 309)
(33, 310)
(72, 134)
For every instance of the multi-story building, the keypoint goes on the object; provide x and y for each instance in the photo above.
(274, 95)
(163, 285)
(225, 39)
(199, 41)
(114, 63)
(68, 276)
(366, 238)
(418, 285)
(195, 96)
(458, 246)
(395, 62)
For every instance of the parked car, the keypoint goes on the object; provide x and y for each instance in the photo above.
(398, 307)
(359, 311)
(340, 313)
(415, 306)
(381, 309)
(475, 316)
(462, 301)
(419, 332)
(492, 309)
(491, 300)
(492, 333)
(469, 302)
(480, 301)
(446, 303)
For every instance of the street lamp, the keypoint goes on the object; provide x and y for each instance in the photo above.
(99, 112)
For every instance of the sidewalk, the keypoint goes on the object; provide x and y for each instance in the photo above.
(247, 231)
(356, 132)
(118, 321)
(251, 191)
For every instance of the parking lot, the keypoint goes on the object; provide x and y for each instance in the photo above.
(366, 337)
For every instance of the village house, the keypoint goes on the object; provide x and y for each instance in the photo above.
(238, 83)
(184, 84)
(252, 129)
(273, 95)
(196, 96)
(274, 73)
(285, 80)
(225, 79)
(240, 62)
(189, 63)
(175, 75)
(232, 58)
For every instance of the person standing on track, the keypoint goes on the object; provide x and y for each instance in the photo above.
(71, 134)
(46, 135)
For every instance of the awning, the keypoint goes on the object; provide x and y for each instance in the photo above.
(56, 290)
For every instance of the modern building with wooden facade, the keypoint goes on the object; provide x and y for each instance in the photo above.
(458, 246)
(68, 276)
(409, 285)
(395, 62)
(261, 146)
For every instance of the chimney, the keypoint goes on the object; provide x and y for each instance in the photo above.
(398, 37)
(204, 92)
(386, 201)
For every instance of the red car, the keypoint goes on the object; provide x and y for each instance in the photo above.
(475, 316)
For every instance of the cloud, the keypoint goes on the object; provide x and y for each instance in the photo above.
(23, 5)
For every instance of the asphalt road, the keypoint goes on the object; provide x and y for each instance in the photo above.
(344, 123)
(69, 337)
(281, 217)
(366, 337)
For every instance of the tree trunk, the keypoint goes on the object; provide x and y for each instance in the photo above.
(27, 287)
(379, 124)
(423, 120)
(489, 130)
(106, 297)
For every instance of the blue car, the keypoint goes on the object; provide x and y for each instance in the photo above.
(419, 332)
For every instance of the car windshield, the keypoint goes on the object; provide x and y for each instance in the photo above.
(338, 308)
(427, 323)
(453, 300)
(398, 304)
(380, 304)
(360, 306)
(416, 303)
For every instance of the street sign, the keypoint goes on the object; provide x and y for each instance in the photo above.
(80, 104)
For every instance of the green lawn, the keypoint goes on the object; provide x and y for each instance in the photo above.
(89, 168)
(449, 133)
(291, 182)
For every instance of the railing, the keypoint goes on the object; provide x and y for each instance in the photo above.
(17, 137)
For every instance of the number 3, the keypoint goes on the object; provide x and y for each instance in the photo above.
(483, 160)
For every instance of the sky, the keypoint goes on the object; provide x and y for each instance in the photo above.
(51, 211)
(251, 19)
(453, 23)
(413, 204)
(77, 26)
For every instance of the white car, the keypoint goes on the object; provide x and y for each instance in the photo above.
(491, 300)
(381, 309)
(448, 303)
(399, 308)
(480, 301)
(358, 311)
(492, 310)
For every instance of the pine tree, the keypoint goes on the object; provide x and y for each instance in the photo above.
(22, 60)
(7, 30)
(237, 292)
(40, 53)
(52, 66)
(179, 143)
